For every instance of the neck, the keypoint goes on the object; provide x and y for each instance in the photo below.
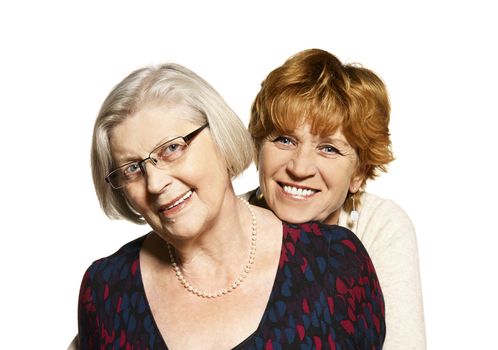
(221, 245)
(333, 219)
(212, 276)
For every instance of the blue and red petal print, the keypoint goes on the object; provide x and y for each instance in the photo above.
(326, 296)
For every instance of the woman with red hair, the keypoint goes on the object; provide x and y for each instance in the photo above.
(321, 130)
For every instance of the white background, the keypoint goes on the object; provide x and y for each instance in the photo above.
(59, 59)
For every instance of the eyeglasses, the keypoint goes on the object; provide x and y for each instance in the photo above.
(161, 157)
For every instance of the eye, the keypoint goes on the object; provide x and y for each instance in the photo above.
(284, 142)
(172, 150)
(329, 150)
(131, 170)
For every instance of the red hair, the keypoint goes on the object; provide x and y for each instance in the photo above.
(314, 87)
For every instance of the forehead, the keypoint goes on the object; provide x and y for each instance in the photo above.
(141, 132)
(287, 114)
(305, 131)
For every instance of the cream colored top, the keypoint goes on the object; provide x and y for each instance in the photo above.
(389, 237)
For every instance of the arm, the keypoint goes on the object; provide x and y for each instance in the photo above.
(389, 237)
(87, 337)
(75, 345)
(356, 297)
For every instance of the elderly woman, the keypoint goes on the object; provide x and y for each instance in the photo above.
(321, 131)
(215, 272)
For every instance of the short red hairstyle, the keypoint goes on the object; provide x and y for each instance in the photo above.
(314, 87)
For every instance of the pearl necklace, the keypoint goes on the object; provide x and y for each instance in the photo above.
(237, 282)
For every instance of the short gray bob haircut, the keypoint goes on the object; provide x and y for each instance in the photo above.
(156, 85)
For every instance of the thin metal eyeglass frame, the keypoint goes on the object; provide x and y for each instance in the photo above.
(187, 138)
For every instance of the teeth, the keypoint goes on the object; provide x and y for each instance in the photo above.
(185, 196)
(301, 192)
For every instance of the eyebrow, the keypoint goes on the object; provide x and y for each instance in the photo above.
(127, 159)
(320, 138)
(335, 140)
(164, 140)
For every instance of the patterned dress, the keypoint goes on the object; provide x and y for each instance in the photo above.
(326, 295)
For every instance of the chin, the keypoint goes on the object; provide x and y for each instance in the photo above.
(182, 229)
(294, 217)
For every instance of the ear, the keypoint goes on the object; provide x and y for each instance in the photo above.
(356, 183)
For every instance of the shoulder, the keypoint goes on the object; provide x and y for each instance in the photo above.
(346, 253)
(105, 290)
(345, 248)
(374, 206)
(390, 210)
(337, 238)
(335, 250)
(117, 272)
(385, 220)
(381, 222)
(105, 269)
(331, 233)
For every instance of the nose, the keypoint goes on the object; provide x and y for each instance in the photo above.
(302, 164)
(157, 180)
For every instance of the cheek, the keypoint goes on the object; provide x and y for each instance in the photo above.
(130, 195)
(210, 158)
(207, 172)
(203, 160)
(269, 165)
(262, 166)
(136, 197)
(338, 176)
(271, 160)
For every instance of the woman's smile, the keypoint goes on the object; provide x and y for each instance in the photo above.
(300, 181)
(296, 192)
(176, 205)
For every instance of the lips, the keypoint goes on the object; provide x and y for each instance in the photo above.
(298, 191)
(176, 202)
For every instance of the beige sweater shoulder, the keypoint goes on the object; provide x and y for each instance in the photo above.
(389, 237)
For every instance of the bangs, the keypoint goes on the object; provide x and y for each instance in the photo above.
(287, 113)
